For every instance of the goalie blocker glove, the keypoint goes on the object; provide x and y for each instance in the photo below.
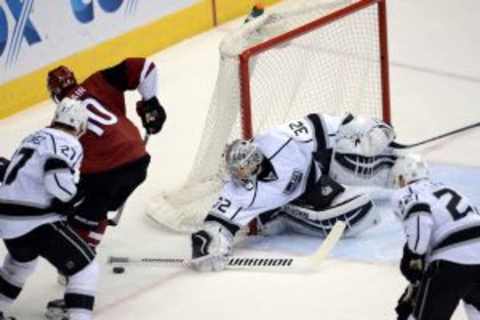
(68, 208)
(152, 114)
(212, 245)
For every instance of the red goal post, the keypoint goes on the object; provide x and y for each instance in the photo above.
(245, 56)
(300, 57)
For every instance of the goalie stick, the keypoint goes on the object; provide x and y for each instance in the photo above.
(245, 263)
(116, 219)
(396, 145)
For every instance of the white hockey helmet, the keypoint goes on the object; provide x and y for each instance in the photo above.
(72, 113)
(242, 160)
(409, 168)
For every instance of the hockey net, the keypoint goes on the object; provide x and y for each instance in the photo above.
(300, 57)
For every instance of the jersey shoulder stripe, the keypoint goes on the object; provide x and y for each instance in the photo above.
(468, 234)
(417, 208)
(22, 210)
(280, 149)
(319, 131)
(55, 164)
(232, 227)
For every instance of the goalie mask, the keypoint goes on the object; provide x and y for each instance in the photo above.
(408, 168)
(59, 81)
(242, 160)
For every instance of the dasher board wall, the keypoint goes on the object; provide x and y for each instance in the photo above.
(87, 35)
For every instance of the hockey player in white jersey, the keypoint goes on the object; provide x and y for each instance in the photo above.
(282, 179)
(38, 190)
(441, 258)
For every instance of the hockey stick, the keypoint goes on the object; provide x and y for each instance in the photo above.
(396, 145)
(116, 219)
(235, 263)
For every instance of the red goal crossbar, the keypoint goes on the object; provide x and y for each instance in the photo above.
(246, 101)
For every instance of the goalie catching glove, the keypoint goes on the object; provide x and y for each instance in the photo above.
(364, 136)
(211, 247)
(152, 114)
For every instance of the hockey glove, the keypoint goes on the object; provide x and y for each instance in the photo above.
(4, 162)
(68, 208)
(152, 114)
(211, 247)
(412, 265)
(406, 303)
(92, 236)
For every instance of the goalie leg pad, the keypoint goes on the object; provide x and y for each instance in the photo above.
(356, 210)
(354, 169)
(272, 223)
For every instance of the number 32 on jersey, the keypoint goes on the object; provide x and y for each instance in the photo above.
(299, 130)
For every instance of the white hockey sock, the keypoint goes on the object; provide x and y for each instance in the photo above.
(80, 292)
(13, 275)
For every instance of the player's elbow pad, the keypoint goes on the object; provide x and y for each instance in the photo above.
(59, 180)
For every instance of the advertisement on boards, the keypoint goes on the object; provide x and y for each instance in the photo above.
(34, 33)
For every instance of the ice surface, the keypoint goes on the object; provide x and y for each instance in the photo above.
(434, 50)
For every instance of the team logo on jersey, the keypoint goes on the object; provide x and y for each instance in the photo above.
(294, 182)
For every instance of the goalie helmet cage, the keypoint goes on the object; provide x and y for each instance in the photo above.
(299, 58)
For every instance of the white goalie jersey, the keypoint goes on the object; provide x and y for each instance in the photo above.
(351, 150)
(439, 222)
(291, 150)
(45, 166)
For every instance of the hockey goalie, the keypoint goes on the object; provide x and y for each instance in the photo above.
(300, 176)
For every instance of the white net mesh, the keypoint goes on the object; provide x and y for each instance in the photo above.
(331, 69)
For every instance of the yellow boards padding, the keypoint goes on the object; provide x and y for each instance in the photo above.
(30, 89)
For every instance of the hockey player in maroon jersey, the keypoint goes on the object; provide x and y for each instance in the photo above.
(115, 161)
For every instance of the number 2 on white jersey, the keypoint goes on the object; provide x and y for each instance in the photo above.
(453, 203)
